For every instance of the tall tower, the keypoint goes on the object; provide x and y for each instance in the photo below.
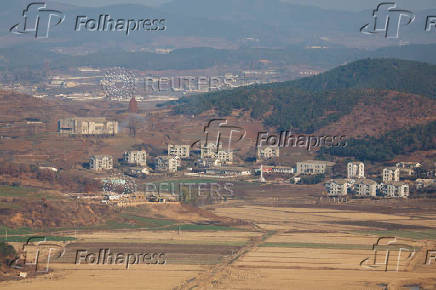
(262, 179)
(133, 105)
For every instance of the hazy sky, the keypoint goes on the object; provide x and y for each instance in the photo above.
(354, 5)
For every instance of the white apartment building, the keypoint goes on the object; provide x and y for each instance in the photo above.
(101, 162)
(355, 170)
(224, 157)
(312, 167)
(181, 151)
(209, 151)
(267, 152)
(136, 157)
(391, 174)
(337, 187)
(168, 163)
(366, 187)
(395, 189)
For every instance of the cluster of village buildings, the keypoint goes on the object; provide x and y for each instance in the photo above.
(215, 161)
(357, 184)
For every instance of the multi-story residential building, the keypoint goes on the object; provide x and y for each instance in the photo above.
(224, 157)
(395, 189)
(136, 157)
(312, 167)
(267, 152)
(168, 163)
(337, 187)
(391, 174)
(181, 151)
(87, 126)
(365, 187)
(209, 150)
(355, 170)
(217, 155)
(101, 162)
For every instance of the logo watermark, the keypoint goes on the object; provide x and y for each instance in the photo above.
(217, 131)
(388, 19)
(38, 253)
(388, 255)
(119, 84)
(38, 19)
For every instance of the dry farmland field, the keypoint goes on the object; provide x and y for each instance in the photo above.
(291, 240)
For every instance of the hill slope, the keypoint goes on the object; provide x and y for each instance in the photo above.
(310, 104)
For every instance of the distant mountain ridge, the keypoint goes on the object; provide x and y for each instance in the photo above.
(312, 103)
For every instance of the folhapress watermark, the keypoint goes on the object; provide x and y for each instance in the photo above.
(388, 19)
(217, 131)
(37, 252)
(108, 257)
(38, 19)
(286, 139)
(389, 255)
(105, 23)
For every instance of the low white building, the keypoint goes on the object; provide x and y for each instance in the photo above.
(365, 187)
(267, 152)
(337, 187)
(407, 168)
(181, 151)
(312, 167)
(355, 170)
(136, 157)
(395, 189)
(391, 174)
(101, 162)
(408, 165)
(423, 183)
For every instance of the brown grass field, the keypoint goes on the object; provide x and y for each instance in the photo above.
(292, 248)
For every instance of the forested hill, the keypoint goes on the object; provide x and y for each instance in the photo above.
(311, 103)
(386, 74)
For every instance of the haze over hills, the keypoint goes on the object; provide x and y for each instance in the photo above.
(23, 57)
(258, 23)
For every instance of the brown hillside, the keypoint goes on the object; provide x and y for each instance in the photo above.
(375, 116)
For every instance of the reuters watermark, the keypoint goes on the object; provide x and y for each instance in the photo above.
(211, 189)
(286, 139)
(189, 83)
